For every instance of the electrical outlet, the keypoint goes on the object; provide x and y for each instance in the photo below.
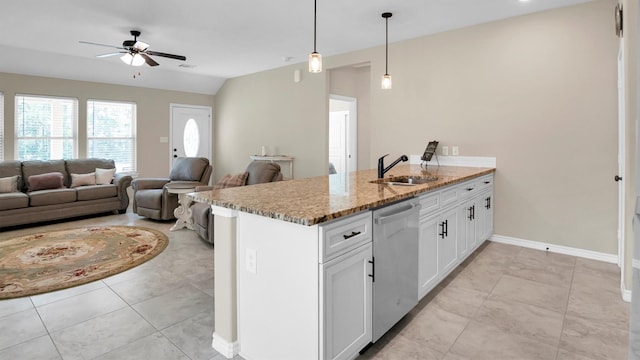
(454, 151)
(251, 260)
(445, 150)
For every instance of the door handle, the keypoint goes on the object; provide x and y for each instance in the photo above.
(442, 233)
(470, 217)
(617, 178)
(175, 156)
(373, 269)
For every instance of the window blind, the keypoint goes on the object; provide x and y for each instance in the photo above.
(111, 132)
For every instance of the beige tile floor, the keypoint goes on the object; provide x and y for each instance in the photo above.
(504, 302)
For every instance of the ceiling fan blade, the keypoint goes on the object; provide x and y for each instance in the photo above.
(148, 60)
(111, 54)
(92, 43)
(171, 56)
(140, 46)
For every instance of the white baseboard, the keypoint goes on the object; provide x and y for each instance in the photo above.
(587, 254)
(227, 349)
(626, 293)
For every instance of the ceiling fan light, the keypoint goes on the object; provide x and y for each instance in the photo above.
(386, 82)
(126, 58)
(140, 46)
(137, 60)
(315, 62)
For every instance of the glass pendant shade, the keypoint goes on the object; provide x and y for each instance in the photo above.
(315, 62)
(133, 60)
(386, 81)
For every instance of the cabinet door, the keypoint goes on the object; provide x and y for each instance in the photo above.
(471, 228)
(448, 241)
(346, 300)
(428, 254)
(486, 204)
(463, 248)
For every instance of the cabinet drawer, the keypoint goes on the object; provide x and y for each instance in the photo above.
(338, 237)
(429, 202)
(485, 182)
(468, 189)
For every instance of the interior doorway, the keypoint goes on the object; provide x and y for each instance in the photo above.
(343, 134)
(191, 134)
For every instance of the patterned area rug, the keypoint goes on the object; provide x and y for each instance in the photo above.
(55, 260)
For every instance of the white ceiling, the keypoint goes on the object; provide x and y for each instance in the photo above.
(220, 38)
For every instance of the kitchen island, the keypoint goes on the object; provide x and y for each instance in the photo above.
(292, 258)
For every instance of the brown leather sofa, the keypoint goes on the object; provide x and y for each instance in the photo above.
(151, 196)
(25, 203)
(258, 172)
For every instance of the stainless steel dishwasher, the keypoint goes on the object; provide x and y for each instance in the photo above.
(395, 264)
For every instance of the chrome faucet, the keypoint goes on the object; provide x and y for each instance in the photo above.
(382, 170)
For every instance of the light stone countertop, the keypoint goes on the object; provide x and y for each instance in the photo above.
(314, 200)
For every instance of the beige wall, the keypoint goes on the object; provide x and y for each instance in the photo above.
(152, 119)
(538, 92)
(354, 82)
(268, 108)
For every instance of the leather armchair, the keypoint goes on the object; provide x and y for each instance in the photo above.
(259, 172)
(151, 197)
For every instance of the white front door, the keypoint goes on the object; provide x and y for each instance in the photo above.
(191, 131)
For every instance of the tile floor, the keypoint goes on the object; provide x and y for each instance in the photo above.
(504, 302)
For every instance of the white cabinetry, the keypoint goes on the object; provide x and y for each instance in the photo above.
(454, 221)
(304, 292)
(345, 291)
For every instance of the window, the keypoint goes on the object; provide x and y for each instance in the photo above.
(1, 126)
(111, 132)
(45, 127)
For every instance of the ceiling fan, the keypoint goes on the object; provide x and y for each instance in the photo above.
(135, 52)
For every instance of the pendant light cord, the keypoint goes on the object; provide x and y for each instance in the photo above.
(314, 24)
(386, 46)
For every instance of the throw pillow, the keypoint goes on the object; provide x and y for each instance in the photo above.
(104, 176)
(83, 179)
(9, 184)
(232, 181)
(46, 181)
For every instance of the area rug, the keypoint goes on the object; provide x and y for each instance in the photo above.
(38, 263)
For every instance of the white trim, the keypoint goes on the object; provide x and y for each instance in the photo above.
(223, 211)
(626, 293)
(472, 161)
(635, 263)
(225, 348)
(587, 254)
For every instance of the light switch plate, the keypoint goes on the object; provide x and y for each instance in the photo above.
(445, 150)
(455, 151)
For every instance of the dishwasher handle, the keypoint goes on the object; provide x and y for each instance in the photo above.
(398, 215)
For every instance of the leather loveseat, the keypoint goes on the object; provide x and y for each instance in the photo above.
(257, 172)
(35, 191)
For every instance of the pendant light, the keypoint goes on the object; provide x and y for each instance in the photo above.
(386, 78)
(315, 59)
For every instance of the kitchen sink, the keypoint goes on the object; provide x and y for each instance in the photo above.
(406, 180)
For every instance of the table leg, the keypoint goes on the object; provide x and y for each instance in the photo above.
(183, 213)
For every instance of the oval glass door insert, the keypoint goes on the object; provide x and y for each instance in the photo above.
(191, 138)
